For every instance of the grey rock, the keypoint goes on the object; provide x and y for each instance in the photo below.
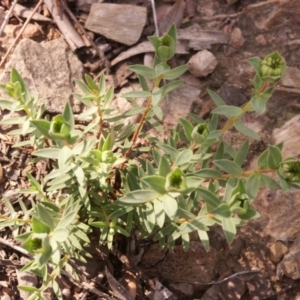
(48, 70)
(202, 63)
(290, 264)
(291, 78)
(269, 16)
(236, 38)
(232, 95)
(200, 39)
(119, 22)
(277, 251)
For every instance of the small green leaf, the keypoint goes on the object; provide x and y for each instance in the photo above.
(253, 184)
(7, 104)
(227, 110)
(150, 217)
(262, 160)
(208, 173)
(259, 104)
(157, 96)
(43, 126)
(91, 83)
(169, 87)
(145, 71)
(169, 150)
(143, 83)
(249, 215)
(228, 166)
(229, 229)
(39, 227)
(68, 115)
(255, 62)
(222, 210)
(57, 290)
(188, 128)
(209, 197)
(242, 153)
(51, 153)
(27, 288)
(269, 182)
(274, 157)
(13, 121)
(159, 212)
(183, 157)
(137, 197)
(164, 167)
(161, 68)
(60, 234)
(64, 157)
(120, 212)
(216, 98)
(175, 73)
(137, 94)
(204, 239)
(83, 86)
(172, 32)
(109, 142)
(170, 206)
(246, 131)
(157, 183)
(45, 215)
(16, 77)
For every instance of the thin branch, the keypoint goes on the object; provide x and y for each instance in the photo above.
(62, 21)
(98, 50)
(6, 19)
(20, 33)
(15, 247)
(155, 17)
(220, 281)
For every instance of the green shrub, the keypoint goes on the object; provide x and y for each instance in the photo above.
(100, 180)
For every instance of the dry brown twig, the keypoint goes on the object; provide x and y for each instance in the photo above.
(220, 281)
(98, 50)
(7, 16)
(20, 33)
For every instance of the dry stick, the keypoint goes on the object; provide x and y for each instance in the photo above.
(83, 31)
(20, 33)
(220, 281)
(7, 16)
(63, 23)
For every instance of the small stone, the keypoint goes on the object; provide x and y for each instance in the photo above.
(261, 40)
(291, 78)
(66, 293)
(236, 38)
(202, 63)
(31, 31)
(234, 289)
(232, 95)
(277, 251)
(48, 69)
(290, 264)
(119, 22)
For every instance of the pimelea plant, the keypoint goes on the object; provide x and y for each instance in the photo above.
(98, 178)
